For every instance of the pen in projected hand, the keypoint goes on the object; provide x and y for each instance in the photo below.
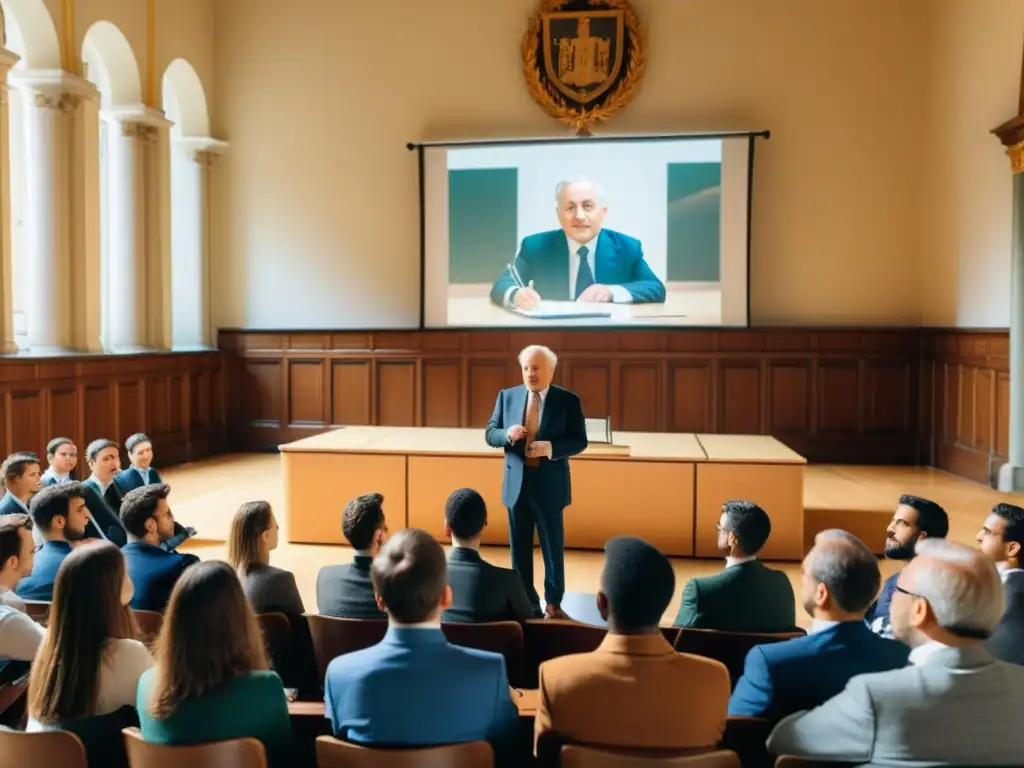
(515, 275)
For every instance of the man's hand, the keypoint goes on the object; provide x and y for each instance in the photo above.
(516, 432)
(596, 292)
(539, 449)
(526, 297)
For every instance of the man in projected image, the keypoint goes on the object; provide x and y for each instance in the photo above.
(579, 262)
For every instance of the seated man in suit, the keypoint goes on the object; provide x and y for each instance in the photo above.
(955, 704)
(415, 689)
(20, 636)
(1001, 538)
(634, 690)
(346, 591)
(481, 592)
(62, 457)
(579, 262)
(839, 579)
(914, 519)
(140, 473)
(154, 571)
(59, 512)
(746, 596)
(101, 495)
(21, 479)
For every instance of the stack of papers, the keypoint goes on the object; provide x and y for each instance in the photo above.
(556, 310)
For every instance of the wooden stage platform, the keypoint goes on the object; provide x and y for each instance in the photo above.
(666, 488)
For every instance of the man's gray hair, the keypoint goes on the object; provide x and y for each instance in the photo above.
(537, 349)
(845, 565)
(960, 584)
(560, 187)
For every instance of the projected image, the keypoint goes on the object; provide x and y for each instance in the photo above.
(609, 233)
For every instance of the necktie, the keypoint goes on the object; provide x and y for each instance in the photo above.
(532, 424)
(584, 277)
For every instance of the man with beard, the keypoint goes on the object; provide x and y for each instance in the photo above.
(58, 511)
(1001, 538)
(915, 518)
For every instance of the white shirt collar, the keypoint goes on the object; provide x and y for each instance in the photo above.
(820, 625)
(1005, 571)
(543, 394)
(922, 653)
(574, 246)
(421, 625)
(731, 561)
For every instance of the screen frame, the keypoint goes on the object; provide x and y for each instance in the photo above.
(419, 148)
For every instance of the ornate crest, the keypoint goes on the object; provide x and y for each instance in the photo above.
(583, 59)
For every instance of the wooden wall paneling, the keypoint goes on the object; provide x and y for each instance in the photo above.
(984, 410)
(99, 412)
(740, 400)
(838, 388)
(965, 406)
(305, 392)
(157, 404)
(262, 391)
(639, 395)
(1002, 414)
(692, 394)
(63, 416)
(128, 410)
(176, 397)
(890, 408)
(789, 396)
(397, 396)
(485, 379)
(352, 391)
(26, 409)
(442, 392)
(591, 380)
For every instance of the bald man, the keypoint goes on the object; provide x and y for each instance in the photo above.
(581, 261)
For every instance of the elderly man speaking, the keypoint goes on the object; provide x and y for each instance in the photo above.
(540, 426)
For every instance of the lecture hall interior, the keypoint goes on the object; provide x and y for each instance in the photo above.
(216, 229)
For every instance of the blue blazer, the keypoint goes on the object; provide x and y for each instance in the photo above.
(38, 585)
(878, 614)
(414, 689)
(9, 505)
(795, 675)
(154, 572)
(561, 424)
(619, 260)
(130, 479)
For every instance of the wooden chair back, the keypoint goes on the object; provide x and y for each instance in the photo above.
(332, 753)
(791, 761)
(730, 648)
(38, 610)
(58, 748)
(237, 753)
(504, 637)
(577, 756)
(277, 634)
(333, 637)
(550, 638)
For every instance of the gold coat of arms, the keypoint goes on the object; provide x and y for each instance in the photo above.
(583, 59)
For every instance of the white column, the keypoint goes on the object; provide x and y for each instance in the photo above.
(7, 345)
(84, 248)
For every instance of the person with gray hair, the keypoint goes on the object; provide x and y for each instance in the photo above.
(839, 580)
(956, 704)
(539, 427)
(580, 261)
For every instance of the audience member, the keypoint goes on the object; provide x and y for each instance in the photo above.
(62, 457)
(212, 680)
(21, 479)
(346, 590)
(20, 637)
(1001, 538)
(955, 704)
(149, 522)
(140, 473)
(840, 578)
(101, 494)
(634, 690)
(60, 515)
(746, 596)
(253, 536)
(481, 592)
(414, 688)
(89, 663)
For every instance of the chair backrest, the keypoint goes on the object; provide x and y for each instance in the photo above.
(747, 736)
(671, 634)
(333, 637)
(504, 637)
(149, 623)
(101, 736)
(577, 756)
(38, 610)
(550, 638)
(331, 753)
(43, 749)
(791, 761)
(277, 634)
(237, 753)
(730, 648)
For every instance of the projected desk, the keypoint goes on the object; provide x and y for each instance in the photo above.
(667, 488)
(469, 305)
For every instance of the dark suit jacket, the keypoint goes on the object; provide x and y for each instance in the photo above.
(346, 591)
(154, 572)
(878, 614)
(39, 584)
(483, 592)
(1007, 642)
(9, 505)
(743, 598)
(561, 424)
(272, 590)
(105, 509)
(544, 259)
(129, 479)
(782, 678)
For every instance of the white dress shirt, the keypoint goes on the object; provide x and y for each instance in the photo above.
(543, 394)
(922, 653)
(731, 561)
(1004, 572)
(820, 625)
(59, 478)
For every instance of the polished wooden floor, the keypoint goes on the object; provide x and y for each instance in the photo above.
(206, 495)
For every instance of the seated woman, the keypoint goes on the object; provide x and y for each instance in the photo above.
(253, 536)
(89, 663)
(62, 456)
(211, 681)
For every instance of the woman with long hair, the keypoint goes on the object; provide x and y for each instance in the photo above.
(89, 663)
(212, 681)
(253, 536)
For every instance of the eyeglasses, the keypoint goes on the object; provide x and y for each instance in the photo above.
(900, 589)
(953, 629)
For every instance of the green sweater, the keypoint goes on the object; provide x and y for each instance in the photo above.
(249, 706)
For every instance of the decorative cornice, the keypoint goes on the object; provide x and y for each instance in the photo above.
(62, 101)
(55, 81)
(7, 58)
(202, 149)
(147, 133)
(137, 113)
